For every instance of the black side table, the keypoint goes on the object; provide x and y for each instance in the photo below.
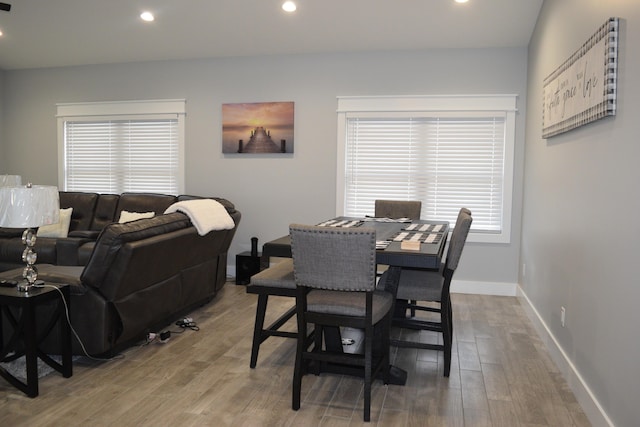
(246, 266)
(25, 331)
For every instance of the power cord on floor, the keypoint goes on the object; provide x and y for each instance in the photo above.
(161, 337)
(187, 322)
(164, 336)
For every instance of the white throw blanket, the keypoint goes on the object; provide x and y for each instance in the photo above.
(205, 214)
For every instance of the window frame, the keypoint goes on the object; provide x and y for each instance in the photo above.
(350, 106)
(122, 110)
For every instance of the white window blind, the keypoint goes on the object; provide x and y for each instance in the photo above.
(139, 152)
(446, 159)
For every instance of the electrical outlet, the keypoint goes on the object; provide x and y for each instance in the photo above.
(563, 313)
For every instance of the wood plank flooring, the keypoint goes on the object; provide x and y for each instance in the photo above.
(501, 375)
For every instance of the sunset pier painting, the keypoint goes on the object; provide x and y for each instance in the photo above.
(257, 128)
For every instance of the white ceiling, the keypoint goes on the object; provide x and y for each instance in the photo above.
(53, 33)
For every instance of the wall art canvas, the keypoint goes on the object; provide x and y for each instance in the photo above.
(583, 88)
(257, 128)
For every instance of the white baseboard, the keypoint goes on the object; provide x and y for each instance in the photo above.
(483, 288)
(587, 400)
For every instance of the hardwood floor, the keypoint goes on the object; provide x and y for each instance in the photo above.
(501, 375)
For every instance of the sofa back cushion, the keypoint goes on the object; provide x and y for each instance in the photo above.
(115, 236)
(105, 211)
(83, 204)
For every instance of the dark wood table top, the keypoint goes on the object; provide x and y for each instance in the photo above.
(428, 256)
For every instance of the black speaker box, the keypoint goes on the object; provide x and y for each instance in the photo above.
(246, 266)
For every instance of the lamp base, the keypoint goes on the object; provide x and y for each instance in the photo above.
(26, 286)
(30, 272)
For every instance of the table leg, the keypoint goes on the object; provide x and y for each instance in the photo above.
(397, 376)
(65, 334)
(25, 340)
(30, 350)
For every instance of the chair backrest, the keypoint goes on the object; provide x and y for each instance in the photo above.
(334, 258)
(398, 209)
(458, 238)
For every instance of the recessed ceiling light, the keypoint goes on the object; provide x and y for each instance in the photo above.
(461, 1)
(147, 16)
(289, 6)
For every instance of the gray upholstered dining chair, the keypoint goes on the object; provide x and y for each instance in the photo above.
(420, 286)
(397, 209)
(334, 272)
(277, 281)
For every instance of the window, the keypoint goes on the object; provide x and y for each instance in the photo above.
(447, 151)
(115, 147)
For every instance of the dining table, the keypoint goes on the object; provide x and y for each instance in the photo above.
(390, 235)
(400, 243)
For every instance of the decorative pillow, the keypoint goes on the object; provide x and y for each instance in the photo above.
(60, 229)
(126, 216)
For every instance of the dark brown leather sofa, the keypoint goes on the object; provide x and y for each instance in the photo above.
(132, 278)
(91, 213)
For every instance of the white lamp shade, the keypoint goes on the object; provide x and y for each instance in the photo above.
(10, 180)
(29, 207)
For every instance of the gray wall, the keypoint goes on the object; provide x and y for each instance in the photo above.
(270, 191)
(581, 235)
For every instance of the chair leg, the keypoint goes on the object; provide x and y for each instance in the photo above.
(298, 368)
(368, 368)
(386, 347)
(445, 318)
(261, 310)
(450, 321)
(318, 337)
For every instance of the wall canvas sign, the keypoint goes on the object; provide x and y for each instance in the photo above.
(583, 88)
(257, 128)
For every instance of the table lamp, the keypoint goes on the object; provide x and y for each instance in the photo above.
(28, 207)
